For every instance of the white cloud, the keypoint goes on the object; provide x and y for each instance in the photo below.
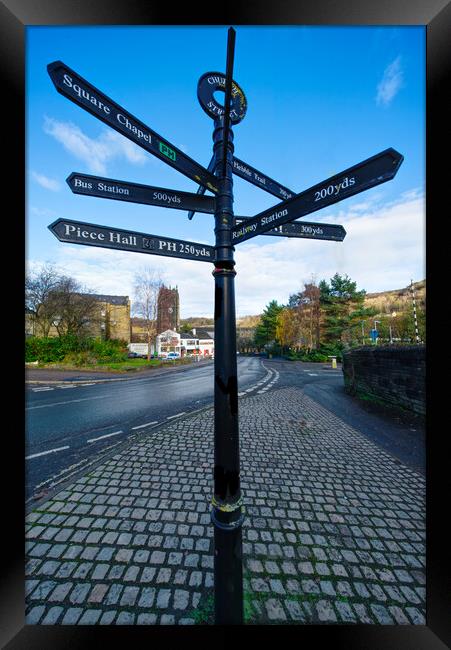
(46, 182)
(383, 249)
(391, 83)
(95, 153)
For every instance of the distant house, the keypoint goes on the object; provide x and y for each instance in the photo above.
(194, 343)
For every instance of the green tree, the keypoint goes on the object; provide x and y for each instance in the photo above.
(265, 332)
(342, 311)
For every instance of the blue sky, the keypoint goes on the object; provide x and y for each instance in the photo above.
(320, 99)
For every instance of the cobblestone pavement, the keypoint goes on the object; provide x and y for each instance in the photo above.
(334, 530)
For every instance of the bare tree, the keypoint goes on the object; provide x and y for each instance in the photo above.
(76, 308)
(60, 301)
(39, 287)
(147, 285)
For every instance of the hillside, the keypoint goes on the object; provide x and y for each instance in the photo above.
(386, 302)
(397, 300)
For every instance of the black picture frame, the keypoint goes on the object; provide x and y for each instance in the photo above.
(435, 15)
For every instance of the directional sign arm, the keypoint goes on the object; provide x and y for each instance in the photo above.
(305, 230)
(90, 234)
(371, 172)
(261, 180)
(81, 92)
(110, 188)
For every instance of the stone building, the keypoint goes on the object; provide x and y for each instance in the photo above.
(114, 317)
(168, 309)
(112, 321)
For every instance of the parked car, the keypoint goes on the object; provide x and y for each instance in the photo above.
(132, 355)
(173, 355)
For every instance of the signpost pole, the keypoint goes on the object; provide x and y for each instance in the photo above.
(226, 512)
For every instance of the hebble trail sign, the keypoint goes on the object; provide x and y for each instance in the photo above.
(91, 234)
(370, 172)
(81, 92)
(109, 188)
(259, 179)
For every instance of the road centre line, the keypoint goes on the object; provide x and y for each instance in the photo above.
(40, 390)
(144, 425)
(108, 435)
(70, 401)
(175, 416)
(49, 451)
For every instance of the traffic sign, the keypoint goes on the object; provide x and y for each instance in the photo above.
(109, 188)
(91, 234)
(208, 84)
(305, 230)
(259, 179)
(81, 92)
(255, 177)
(370, 172)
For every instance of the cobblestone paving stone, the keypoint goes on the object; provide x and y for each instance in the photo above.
(334, 531)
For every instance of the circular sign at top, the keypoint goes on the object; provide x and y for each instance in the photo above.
(208, 84)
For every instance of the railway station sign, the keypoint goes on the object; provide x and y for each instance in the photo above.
(81, 92)
(305, 230)
(367, 174)
(90, 234)
(109, 188)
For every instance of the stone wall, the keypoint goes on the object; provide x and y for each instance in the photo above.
(394, 376)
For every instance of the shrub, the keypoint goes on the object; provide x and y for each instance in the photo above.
(71, 349)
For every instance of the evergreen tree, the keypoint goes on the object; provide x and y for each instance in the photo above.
(265, 332)
(342, 309)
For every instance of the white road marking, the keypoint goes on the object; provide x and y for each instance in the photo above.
(71, 401)
(108, 435)
(313, 374)
(144, 425)
(39, 390)
(44, 453)
(241, 394)
(176, 416)
(67, 386)
(92, 384)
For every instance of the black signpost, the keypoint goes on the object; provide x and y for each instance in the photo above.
(227, 516)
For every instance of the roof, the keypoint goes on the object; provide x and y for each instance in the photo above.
(112, 300)
(203, 334)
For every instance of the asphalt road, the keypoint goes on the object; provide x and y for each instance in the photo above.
(72, 426)
(69, 425)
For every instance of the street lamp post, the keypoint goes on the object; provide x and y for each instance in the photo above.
(376, 321)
